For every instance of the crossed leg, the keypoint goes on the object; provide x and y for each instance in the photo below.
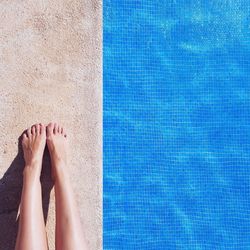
(31, 231)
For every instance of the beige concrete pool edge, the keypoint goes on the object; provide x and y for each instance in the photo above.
(51, 70)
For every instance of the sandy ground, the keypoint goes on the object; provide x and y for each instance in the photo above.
(51, 70)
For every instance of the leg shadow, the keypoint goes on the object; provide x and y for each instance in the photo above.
(10, 196)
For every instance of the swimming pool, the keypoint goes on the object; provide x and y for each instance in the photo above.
(176, 124)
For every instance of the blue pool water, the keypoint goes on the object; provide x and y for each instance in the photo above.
(176, 124)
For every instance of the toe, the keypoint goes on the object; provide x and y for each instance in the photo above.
(55, 128)
(29, 132)
(37, 129)
(42, 128)
(50, 128)
(64, 132)
(33, 130)
(61, 130)
(24, 137)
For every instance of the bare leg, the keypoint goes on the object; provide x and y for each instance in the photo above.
(69, 232)
(31, 231)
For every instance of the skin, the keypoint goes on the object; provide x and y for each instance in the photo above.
(31, 231)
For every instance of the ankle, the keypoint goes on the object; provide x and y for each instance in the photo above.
(32, 171)
(30, 177)
(34, 162)
(60, 173)
(59, 162)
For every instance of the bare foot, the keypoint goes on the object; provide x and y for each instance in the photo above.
(58, 148)
(33, 143)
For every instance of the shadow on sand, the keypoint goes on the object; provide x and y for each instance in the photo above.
(10, 195)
